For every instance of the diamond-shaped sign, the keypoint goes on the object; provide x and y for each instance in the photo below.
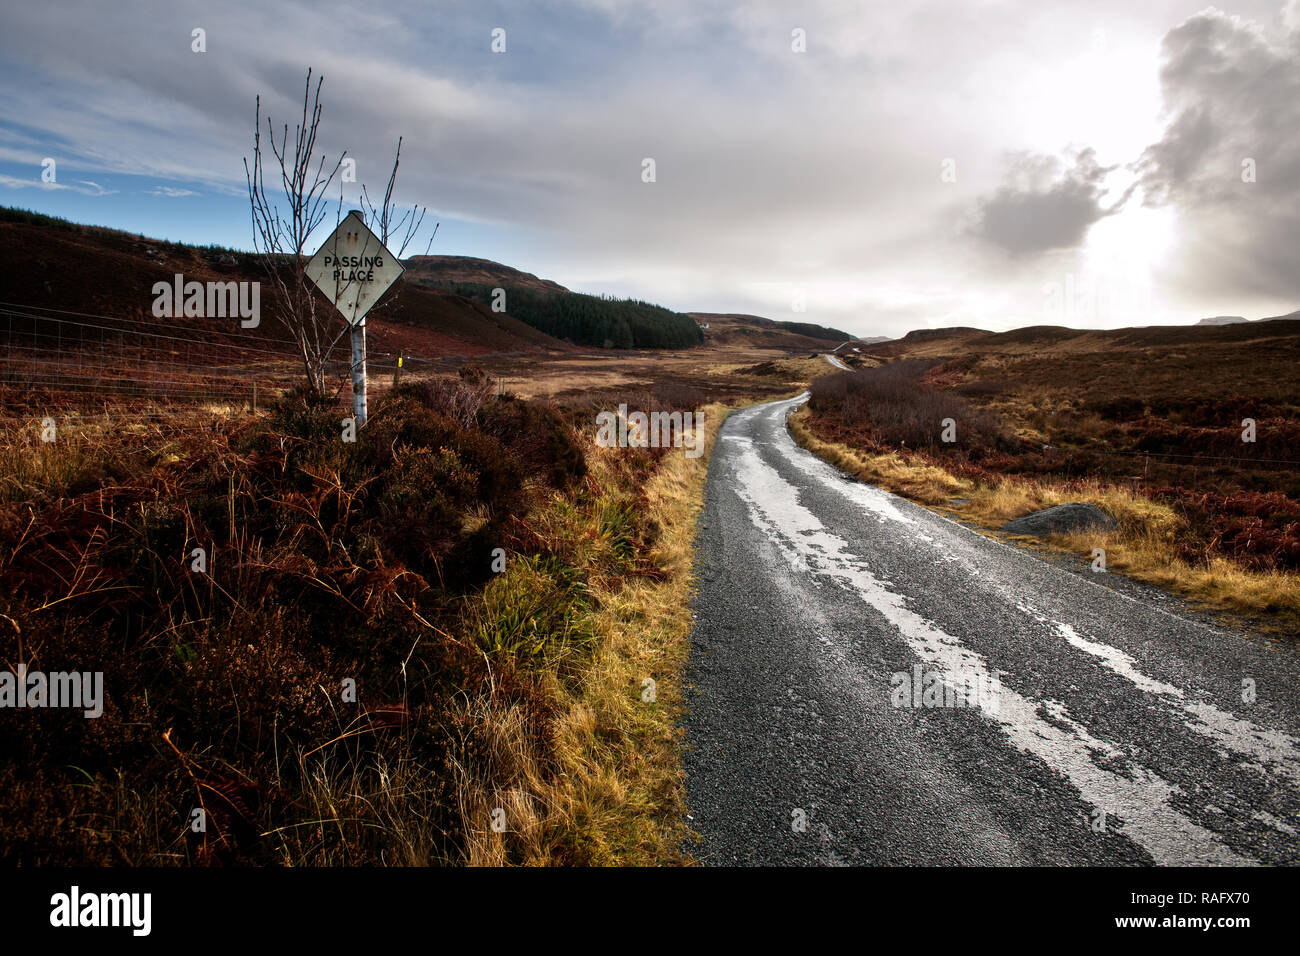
(353, 268)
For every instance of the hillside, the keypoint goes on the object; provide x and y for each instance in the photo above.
(1238, 319)
(441, 306)
(755, 331)
(957, 333)
(590, 320)
(1271, 347)
(472, 271)
(107, 274)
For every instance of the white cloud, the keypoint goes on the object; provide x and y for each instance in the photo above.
(94, 189)
(775, 168)
(83, 186)
(1229, 160)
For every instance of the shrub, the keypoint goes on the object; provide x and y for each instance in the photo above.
(540, 436)
(529, 611)
(894, 407)
(327, 560)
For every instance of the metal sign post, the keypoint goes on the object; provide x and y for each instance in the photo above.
(354, 269)
(359, 372)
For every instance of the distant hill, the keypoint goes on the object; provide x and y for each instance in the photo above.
(955, 332)
(815, 331)
(472, 271)
(587, 319)
(1192, 376)
(1237, 319)
(857, 345)
(107, 273)
(739, 329)
(937, 341)
(1047, 344)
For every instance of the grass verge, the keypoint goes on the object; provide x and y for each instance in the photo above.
(609, 788)
(1142, 547)
(426, 646)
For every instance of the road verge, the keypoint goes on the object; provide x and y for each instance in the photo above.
(608, 787)
(1141, 547)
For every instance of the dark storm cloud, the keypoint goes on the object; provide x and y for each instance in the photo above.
(1232, 93)
(1045, 205)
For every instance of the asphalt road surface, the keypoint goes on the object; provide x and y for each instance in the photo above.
(873, 683)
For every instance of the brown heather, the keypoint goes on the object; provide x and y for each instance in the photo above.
(1151, 435)
(331, 561)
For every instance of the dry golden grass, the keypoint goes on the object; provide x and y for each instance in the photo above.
(27, 463)
(610, 789)
(84, 445)
(560, 740)
(1142, 547)
(924, 483)
(394, 798)
(796, 370)
(584, 768)
(712, 368)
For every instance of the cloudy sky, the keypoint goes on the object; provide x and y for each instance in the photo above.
(888, 165)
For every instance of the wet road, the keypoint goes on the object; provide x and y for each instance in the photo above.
(872, 683)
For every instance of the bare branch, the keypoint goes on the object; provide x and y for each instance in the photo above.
(280, 238)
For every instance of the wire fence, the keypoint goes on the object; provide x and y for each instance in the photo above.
(59, 360)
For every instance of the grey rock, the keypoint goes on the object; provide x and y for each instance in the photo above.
(1061, 519)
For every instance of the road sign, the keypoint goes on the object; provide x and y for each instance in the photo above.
(353, 268)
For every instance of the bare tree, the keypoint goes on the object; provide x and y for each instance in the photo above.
(389, 224)
(279, 237)
(280, 234)
(386, 218)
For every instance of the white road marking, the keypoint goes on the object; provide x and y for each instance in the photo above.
(1139, 801)
(1267, 750)
(962, 538)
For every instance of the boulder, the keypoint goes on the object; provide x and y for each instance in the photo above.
(1062, 519)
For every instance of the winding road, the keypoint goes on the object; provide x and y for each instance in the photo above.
(837, 363)
(873, 683)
